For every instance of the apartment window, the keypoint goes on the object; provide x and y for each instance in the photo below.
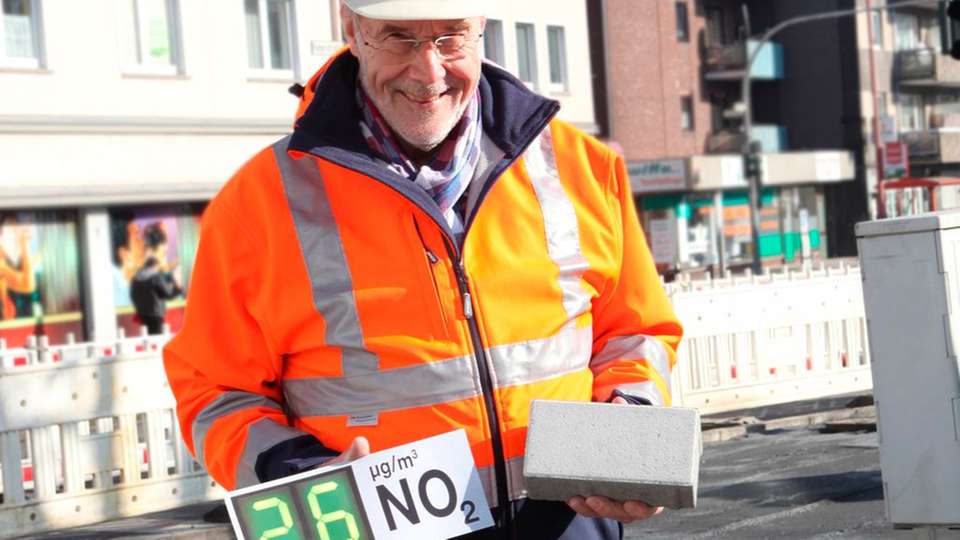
(910, 109)
(686, 113)
(152, 36)
(20, 34)
(683, 22)
(270, 35)
(877, 28)
(906, 32)
(556, 43)
(526, 54)
(715, 33)
(493, 42)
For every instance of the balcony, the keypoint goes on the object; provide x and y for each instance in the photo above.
(934, 146)
(772, 138)
(932, 8)
(926, 67)
(726, 62)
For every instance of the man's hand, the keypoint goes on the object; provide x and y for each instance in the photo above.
(602, 507)
(358, 448)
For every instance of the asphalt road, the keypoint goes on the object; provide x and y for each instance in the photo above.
(792, 483)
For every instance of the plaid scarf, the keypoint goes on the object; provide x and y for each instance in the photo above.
(446, 176)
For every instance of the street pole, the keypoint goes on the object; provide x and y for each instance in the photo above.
(752, 176)
(745, 92)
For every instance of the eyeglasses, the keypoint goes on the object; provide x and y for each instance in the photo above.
(449, 46)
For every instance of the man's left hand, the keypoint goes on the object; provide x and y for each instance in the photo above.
(602, 507)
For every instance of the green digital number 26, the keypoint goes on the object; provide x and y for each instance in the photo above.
(285, 517)
(330, 517)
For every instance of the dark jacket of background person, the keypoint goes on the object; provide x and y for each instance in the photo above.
(150, 288)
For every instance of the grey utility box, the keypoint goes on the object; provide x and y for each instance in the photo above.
(911, 288)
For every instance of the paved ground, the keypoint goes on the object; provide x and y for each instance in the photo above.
(789, 482)
(794, 483)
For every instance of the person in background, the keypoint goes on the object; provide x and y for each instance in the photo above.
(16, 265)
(155, 282)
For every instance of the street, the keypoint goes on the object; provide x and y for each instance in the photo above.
(791, 483)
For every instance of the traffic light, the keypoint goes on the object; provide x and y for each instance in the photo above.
(953, 13)
(751, 163)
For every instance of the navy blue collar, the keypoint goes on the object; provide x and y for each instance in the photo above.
(329, 129)
(512, 114)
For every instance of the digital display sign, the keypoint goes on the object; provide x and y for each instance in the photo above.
(328, 503)
(425, 489)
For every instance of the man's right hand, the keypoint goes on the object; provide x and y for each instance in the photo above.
(359, 448)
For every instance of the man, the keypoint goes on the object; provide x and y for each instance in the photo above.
(429, 250)
(154, 283)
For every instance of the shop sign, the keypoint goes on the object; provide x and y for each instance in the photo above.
(896, 160)
(658, 175)
(663, 240)
(888, 129)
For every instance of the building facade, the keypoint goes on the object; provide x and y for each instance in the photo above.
(673, 82)
(120, 118)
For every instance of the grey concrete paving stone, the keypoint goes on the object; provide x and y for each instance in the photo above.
(651, 454)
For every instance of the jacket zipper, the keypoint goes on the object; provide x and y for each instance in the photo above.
(504, 519)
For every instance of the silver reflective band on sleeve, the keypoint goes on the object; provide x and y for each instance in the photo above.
(438, 382)
(323, 253)
(559, 221)
(261, 436)
(517, 487)
(225, 404)
(636, 347)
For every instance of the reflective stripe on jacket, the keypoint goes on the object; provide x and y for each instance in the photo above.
(329, 300)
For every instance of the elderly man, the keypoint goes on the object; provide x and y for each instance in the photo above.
(429, 250)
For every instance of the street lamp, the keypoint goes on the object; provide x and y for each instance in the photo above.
(750, 147)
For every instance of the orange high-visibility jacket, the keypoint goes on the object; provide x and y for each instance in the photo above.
(330, 300)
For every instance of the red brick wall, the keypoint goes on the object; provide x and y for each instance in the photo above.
(648, 72)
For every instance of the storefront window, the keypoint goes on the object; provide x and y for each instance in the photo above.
(661, 227)
(149, 240)
(39, 276)
(702, 235)
(737, 226)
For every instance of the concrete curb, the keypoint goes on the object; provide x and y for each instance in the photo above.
(727, 432)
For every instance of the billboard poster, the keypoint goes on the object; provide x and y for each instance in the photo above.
(39, 276)
(157, 239)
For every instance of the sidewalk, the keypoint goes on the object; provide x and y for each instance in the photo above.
(766, 472)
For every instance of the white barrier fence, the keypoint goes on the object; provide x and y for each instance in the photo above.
(752, 341)
(87, 434)
(90, 431)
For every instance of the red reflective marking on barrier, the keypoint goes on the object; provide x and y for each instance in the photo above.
(146, 455)
(20, 361)
(773, 371)
(140, 348)
(27, 471)
(107, 351)
(843, 359)
(153, 347)
(56, 357)
(733, 372)
(809, 364)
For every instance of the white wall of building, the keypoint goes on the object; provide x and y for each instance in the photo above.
(577, 99)
(84, 72)
(86, 125)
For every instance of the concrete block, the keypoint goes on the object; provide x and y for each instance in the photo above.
(624, 452)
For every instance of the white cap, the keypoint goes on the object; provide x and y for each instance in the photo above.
(414, 10)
